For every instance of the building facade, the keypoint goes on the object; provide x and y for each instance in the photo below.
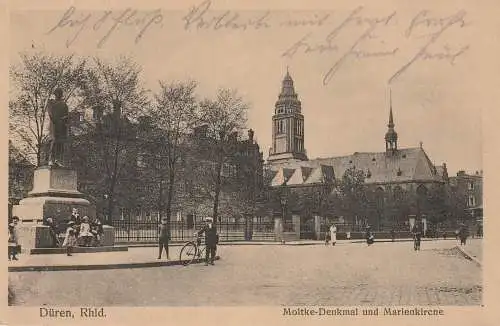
(142, 160)
(401, 184)
(468, 190)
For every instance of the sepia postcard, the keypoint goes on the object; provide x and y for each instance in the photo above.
(250, 162)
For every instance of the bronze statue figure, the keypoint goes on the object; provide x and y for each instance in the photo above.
(58, 131)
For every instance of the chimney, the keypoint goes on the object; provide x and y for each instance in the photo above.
(233, 137)
(250, 135)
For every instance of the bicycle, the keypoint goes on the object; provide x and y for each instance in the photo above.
(192, 250)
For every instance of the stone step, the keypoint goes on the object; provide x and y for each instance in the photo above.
(42, 251)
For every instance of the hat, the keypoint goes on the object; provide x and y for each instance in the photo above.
(85, 218)
(209, 219)
(71, 222)
(164, 220)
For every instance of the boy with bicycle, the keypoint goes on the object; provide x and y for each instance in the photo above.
(211, 240)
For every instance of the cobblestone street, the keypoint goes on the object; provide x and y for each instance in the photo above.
(348, 274)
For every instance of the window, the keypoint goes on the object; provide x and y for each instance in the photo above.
(281, 126)
(471, 185)
(298, 127)
(472, 201)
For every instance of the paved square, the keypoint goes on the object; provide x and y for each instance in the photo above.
(348, 274)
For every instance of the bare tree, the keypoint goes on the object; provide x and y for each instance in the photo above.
(114, 89)
(224, 117)
(173, 115)
(34, 81)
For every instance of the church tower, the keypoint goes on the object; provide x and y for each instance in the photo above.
(391, 136)
(288, 126)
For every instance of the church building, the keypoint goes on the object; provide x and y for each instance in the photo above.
(405, 183)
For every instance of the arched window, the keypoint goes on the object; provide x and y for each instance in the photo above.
(379, 197)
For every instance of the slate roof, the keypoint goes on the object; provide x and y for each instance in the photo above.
(405, 165)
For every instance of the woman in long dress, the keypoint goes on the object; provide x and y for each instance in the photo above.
(333, 234)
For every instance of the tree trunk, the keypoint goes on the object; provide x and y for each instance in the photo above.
(170, 197)
(160, 201)
(218, 182)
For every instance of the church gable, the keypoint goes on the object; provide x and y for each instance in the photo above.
(320, 174)
(282, 176)
(424, 169)
(299, 176)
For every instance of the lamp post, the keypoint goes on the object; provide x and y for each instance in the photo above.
(105, 210)
(284, 202)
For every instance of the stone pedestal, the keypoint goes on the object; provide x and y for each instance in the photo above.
(108, 239)
(54, 195)
(318, 221)
(296, 225)
(278, 229)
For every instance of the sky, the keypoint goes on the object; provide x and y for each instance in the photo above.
(427, 60)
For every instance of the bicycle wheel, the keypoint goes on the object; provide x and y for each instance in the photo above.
(188, 253)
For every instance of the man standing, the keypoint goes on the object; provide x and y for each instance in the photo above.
(211, 240)
(417, 235)
(58, 131)
(163, 238)
(463, 233)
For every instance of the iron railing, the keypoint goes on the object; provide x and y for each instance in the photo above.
(127, 231)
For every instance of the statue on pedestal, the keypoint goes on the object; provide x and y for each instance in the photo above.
(58, 129)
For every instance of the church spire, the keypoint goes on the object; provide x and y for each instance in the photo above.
(391, 119)
(391, 137)
(288, 124)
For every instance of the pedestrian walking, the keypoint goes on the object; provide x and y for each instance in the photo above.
(393, 234)
(370, 238)
(463, 233)
(163, 238)
(85, 235)
(417, 235)
(333, 234)
(211, 240)
(328, 237)
(13, 241)
(70, 238)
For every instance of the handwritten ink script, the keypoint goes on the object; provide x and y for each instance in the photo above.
(361, 47)
(342, 38)
(107, 21)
